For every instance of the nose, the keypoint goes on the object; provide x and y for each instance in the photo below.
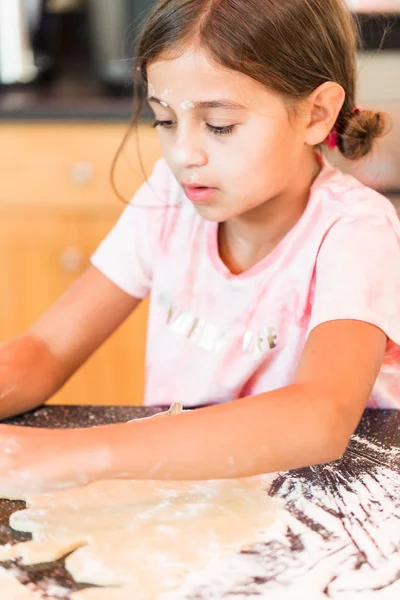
(188, 150)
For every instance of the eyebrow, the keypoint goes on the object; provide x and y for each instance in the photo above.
(226, 104)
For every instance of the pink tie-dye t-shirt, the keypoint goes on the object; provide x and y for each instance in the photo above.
(214, 336)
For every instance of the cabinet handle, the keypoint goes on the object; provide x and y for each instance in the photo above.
(82, 172)
(71, 259)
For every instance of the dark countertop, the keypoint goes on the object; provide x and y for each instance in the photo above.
(74, 95)
(342, 534)
(34, 106)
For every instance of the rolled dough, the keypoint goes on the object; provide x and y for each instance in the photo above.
(131, 530)
(141, 536)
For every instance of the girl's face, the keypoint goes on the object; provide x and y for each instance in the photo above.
(224, 130)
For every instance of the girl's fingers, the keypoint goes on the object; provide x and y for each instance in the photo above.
(174, 409)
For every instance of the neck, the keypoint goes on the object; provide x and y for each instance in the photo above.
(246, 239)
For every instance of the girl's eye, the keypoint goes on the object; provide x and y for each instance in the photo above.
(166, 124)
(216, 130)
(220, 130)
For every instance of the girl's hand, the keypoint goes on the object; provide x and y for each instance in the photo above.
(40, 460)
(34, 461)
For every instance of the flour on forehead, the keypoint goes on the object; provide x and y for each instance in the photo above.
(151, 89)
(187, 105)
(164, 95)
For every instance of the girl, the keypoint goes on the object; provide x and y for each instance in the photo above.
(274, 278)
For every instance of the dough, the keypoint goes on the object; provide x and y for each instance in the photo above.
(140, 536)
(122, 593)
(12, 589)
(174, 409)
(40, 551)
(130, 530)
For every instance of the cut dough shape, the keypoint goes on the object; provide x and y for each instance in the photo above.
(40, 551)
(134, 529)
(12, 589)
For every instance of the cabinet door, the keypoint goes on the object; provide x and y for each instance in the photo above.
(41, 253)
(69, 164)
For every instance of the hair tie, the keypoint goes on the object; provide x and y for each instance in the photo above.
(332, 139)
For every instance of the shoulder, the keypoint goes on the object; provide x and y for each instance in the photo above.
(347, 200)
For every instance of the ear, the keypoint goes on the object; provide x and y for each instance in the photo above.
(324, 105)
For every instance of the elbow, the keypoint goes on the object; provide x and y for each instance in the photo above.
(333, 449)
(334, 439)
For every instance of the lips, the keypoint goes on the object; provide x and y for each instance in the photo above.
(192, 185)
(199, 194)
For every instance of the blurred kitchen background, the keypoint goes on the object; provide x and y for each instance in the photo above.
(66, 99)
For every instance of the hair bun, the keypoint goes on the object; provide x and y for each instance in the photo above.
(361, 130)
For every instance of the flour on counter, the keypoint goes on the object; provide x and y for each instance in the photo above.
(390, 455)
(343, 545)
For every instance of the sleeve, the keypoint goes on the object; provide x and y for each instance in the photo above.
(126, 255)
(357, 275)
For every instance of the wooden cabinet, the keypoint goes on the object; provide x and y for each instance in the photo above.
(56, 205)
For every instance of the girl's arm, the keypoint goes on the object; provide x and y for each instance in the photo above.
(35, 365)
(306, 423)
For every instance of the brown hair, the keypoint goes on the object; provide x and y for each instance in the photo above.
(290, 46)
